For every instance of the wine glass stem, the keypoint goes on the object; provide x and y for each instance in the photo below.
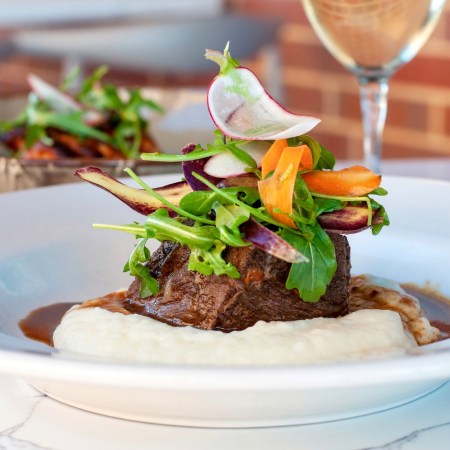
(373, 94)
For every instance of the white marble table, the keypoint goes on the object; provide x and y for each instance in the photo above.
(31, 421)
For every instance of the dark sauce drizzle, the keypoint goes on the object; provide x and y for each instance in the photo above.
(40, 324)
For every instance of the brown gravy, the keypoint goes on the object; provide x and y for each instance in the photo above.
(435, 305)
(40, 324)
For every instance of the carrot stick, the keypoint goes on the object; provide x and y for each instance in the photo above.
(270, 159)
(355, 181)
(272, 156)
(277, 191)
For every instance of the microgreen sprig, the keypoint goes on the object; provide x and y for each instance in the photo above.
(164, 201)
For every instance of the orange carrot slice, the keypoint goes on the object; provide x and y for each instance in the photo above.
(270, 159)
(277, 191)
(306, 162)
(355, 181)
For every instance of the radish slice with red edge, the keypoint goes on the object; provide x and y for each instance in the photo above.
(242, 109)
(61, 102)
(137, 199)
(225, 164)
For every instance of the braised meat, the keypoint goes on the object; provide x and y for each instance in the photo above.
(226, 304)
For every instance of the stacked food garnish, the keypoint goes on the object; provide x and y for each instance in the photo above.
(254, 233)
(91, 120)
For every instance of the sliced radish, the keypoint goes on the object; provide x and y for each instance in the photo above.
(137, 199)
(61, 102)
(56, 99)
(226, 165)
(242, 109)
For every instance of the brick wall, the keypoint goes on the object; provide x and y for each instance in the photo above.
(418, 121)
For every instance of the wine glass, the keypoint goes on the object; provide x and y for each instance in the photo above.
(373, 38)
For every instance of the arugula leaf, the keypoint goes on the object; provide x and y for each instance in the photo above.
(135, 266)
(125, 133)
(163, 200)
(203, 242)
(242, 155)
(72, 123)
(197, 153)
(327, 160)
(311, 278)
(71, 79)
(211, 261)
(379, 191)
(381, 217)
(325, 205)
(303, 203)
(88, 84)
(228, 220)
(165, 228)
(35, 133)
(259, 213)
(200, 202)
(314, 146)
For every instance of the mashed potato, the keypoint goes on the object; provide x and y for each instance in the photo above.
(361, 334)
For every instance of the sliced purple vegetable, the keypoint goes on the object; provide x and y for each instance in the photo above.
(271, 243)
(197, 166)
(137, 199)
(350, 219)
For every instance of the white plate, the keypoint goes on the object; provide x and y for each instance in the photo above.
(50, 254)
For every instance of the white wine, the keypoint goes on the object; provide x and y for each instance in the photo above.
(373, 37)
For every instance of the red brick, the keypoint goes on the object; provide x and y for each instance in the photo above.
(400, 113)
(409, 150)
(303, 100)
(349, 105)
(310, 56)
(407, 114)
(336, 143)
(447, 121)
(446, 21)
(288, 10)
(427, 70)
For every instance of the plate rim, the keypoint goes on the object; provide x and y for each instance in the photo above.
(427, 365)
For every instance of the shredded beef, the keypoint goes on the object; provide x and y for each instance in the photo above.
(222, 303)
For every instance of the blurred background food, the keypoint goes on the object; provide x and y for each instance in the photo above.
(159, 46)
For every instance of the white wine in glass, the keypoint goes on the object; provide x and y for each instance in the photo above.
(373, 38)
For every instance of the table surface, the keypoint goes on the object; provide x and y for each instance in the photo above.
(30, 420)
